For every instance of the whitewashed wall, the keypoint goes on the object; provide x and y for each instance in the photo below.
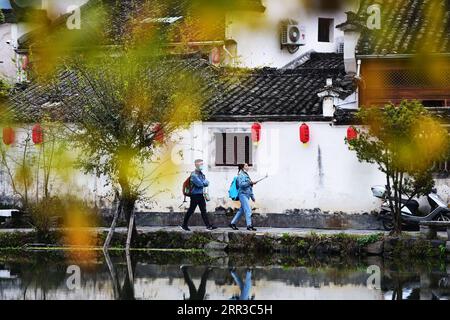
(10, 66)
(258, 38)
(322, 174)
(64, 180)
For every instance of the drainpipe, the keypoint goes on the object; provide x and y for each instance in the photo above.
(358, 69)
(358, 76)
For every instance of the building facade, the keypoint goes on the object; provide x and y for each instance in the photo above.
(288, 85)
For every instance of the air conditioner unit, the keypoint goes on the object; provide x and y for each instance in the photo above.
(293, 35)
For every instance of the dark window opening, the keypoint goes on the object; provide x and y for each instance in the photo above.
(247, 149)
(233, 149)
(326, 30)
(224, 148)
(433, 103)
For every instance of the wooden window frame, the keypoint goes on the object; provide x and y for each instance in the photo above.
(247, 146)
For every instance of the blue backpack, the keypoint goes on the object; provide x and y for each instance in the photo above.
(233, 193)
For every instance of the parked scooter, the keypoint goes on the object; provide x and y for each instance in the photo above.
(411, 216)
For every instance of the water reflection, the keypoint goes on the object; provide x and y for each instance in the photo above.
(194, 293)
(127, 276)
(245, 288)
(123, 290)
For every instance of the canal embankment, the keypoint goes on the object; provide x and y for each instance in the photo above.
(265, 240)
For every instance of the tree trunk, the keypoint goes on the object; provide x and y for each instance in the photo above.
(129, 199)
(113, 226)
(112, 272)
(128, 209)
(131, 230)
(398, 197)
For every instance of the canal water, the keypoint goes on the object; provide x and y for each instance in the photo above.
(176, 276)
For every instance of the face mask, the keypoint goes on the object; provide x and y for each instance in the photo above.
(200, 168)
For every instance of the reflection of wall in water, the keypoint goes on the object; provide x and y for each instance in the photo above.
(167, 283)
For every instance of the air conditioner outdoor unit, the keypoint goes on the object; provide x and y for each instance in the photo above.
(293, 35)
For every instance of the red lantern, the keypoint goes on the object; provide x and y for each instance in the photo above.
(38, 134)
(304, 133)
(8, 136)
(158, 132)
(352, 134)
(25, 62)
(256, 133)
(215, 56)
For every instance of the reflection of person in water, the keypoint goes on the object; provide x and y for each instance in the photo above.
(195, 294)
(245, 288)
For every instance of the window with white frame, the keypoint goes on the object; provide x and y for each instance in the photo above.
(233, 149)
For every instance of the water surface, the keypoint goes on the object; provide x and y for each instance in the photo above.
(177, 276)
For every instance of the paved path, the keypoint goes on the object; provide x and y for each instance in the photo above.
(271, 231)
(261, 231)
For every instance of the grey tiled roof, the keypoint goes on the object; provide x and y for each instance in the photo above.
(239, 95)
(319, 60)
(61, 100)
(16, 15)
(120, 13)
(407, 27)
(280, 94)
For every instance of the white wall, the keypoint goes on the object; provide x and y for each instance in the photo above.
(258, 39)
(63, 179)
(7, 66)
(300, 178)
(9, 34)
(10, 68)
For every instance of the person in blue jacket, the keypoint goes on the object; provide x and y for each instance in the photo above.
(245, 193)
(199, 183)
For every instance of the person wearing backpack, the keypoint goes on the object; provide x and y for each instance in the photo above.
(196, 184)
(244, 186)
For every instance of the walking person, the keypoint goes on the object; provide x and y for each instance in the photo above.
(245, 193)
(198, 184)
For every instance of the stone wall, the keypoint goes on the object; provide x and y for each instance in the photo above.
(314, 219)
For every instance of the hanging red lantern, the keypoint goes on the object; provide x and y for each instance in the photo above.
(158, 132)
(8, 136)
(256, 132)
(304, 133)
(25, 62)
(352, 134)
(38, 134)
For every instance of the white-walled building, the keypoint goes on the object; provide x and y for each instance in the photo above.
(257, 34)
(21, 18)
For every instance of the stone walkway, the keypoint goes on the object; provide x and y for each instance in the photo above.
(261, 231)
(271, 231)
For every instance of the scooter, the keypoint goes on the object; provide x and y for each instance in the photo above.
(411, 216)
